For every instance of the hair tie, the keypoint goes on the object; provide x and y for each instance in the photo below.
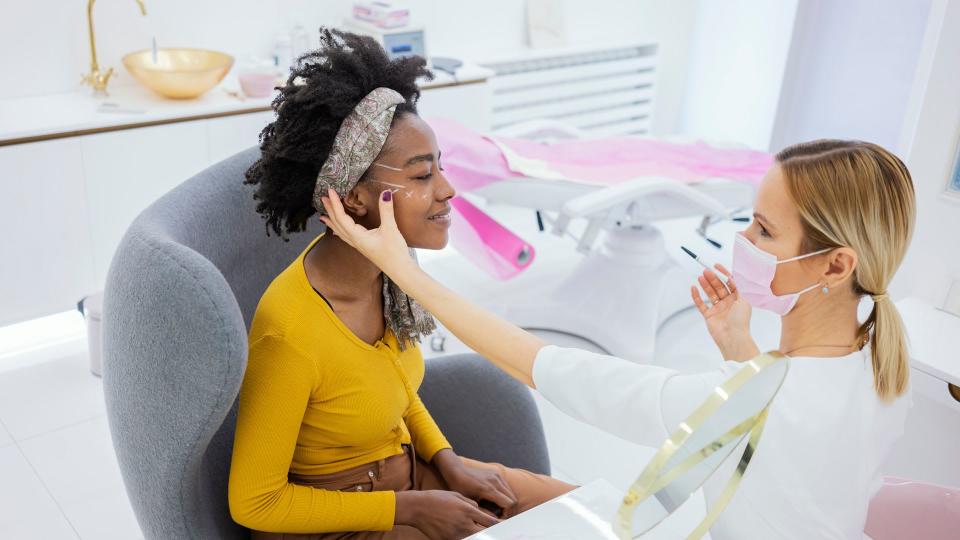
(877, 298)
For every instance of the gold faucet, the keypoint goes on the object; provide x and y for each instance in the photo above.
(95, 78)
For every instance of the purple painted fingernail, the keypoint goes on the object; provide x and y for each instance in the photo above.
(387, 195)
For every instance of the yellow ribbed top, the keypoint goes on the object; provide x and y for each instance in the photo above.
(316, 399)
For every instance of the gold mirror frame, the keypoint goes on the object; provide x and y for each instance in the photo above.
(654, 478)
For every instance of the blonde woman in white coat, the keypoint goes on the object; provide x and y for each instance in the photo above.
(832, 222)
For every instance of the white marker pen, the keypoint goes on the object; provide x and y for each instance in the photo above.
(720, 276)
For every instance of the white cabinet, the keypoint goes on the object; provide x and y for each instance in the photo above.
(47, 262)
(928, 449)
(125, 171)
(69, 201)
(930, 444)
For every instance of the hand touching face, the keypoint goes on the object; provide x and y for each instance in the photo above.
(409, 167)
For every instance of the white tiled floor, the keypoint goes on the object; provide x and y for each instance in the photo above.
(59, 393)
(29, 511)
(5, 438)
(78, 466)
(59, 477)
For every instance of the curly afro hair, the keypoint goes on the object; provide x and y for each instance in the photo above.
(320, 92)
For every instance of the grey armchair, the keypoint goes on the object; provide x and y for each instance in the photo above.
(180, 294)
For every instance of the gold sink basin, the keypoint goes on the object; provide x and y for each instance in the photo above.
(179, 73)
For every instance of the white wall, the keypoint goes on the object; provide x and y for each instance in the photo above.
(738, 55)
(931, 136)
(885, 71)
(850, 70)
(43, 43)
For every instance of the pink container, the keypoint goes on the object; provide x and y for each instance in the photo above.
(257, 84)
(904, 509)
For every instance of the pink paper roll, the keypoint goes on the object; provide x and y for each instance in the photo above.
(488, 244)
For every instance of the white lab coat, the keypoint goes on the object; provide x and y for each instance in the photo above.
(817, 465)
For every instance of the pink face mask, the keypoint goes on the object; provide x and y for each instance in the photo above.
(753, 272)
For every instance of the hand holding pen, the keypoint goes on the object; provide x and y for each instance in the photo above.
(727, 316)
(724, 277)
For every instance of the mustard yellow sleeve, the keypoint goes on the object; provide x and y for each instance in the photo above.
(273, 398)
(427, 438)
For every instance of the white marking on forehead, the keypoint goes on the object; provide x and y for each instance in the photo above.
(387, 167)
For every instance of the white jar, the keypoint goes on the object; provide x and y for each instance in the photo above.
(300, 41)
(282, 54)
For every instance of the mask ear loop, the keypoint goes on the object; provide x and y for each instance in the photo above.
(810, 288)
(823, 288)
(804, 256)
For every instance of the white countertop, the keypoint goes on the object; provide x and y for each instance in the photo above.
(38, 116)
(934, 339)
(77, 112)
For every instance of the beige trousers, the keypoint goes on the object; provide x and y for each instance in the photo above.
(405, 472)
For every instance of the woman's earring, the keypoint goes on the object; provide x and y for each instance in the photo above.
(825, 289)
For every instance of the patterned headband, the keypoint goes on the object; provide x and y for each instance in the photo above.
(358, 142)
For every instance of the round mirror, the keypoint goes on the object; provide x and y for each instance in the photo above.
(712, 446)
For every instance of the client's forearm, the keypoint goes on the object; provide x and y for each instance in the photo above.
(509, 347)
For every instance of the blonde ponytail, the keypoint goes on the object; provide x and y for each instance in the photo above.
(889, 344)
(856, 194)
(888, 348)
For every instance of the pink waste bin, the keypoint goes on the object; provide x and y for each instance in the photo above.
(907, 510)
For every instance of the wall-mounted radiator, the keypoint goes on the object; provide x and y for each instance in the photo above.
(605, 92)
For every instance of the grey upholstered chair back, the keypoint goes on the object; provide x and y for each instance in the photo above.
(181, 292)
(180, 295)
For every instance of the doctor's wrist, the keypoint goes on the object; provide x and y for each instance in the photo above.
(739, 349)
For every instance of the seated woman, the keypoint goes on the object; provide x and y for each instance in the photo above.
(332, 440)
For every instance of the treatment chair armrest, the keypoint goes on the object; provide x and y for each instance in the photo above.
(484, 413)
(596, 205)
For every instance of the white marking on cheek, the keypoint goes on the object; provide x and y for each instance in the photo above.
(408, 194)
(394, 188)
(424, 197)
(389, 184)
